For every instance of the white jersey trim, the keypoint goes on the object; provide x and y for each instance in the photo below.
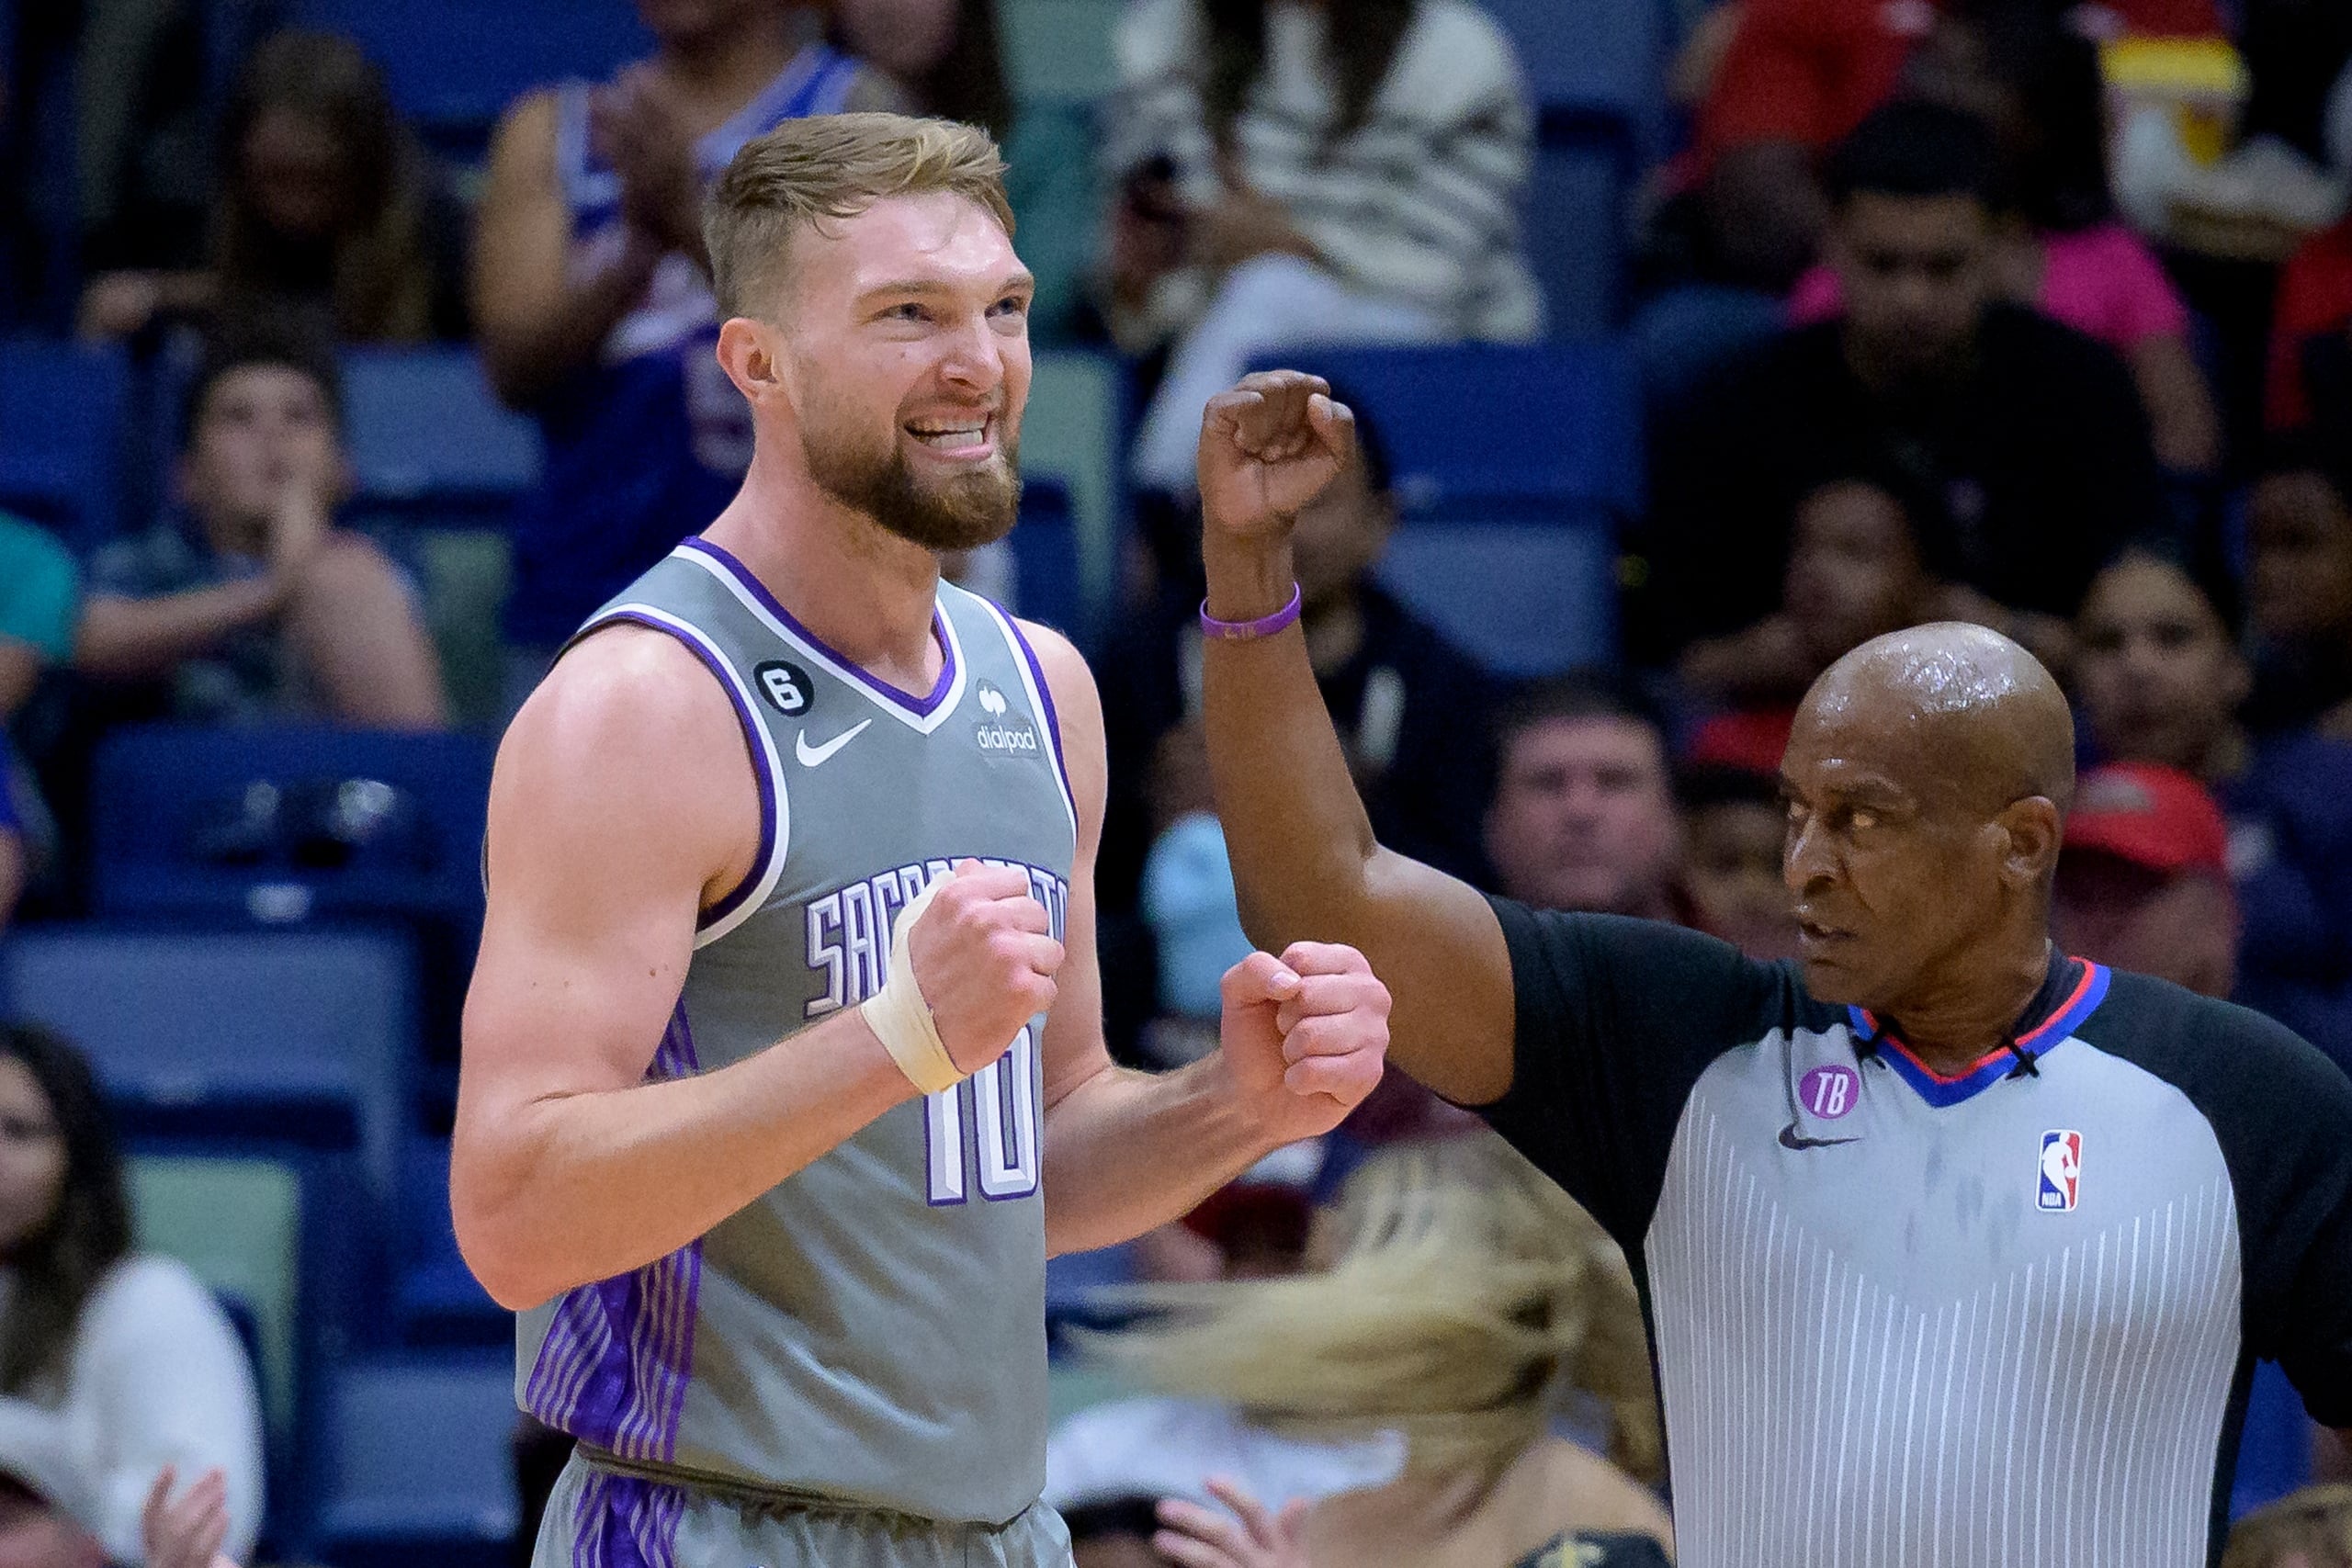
(1019, 648)
(746, 709)
(921, 723)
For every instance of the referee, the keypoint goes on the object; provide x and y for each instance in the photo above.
(1955, 1250)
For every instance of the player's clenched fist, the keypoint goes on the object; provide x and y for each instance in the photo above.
(1304, 1035)
(984, 961)
(1267, 448)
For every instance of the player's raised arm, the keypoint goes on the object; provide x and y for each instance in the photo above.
(623, 805)
(1305, 862)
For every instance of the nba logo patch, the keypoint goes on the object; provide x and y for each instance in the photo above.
(2061, 1172)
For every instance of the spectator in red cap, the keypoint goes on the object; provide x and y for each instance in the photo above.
(2144, 882)
(2159, 679)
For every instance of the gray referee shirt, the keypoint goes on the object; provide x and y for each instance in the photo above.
(1904, 1320)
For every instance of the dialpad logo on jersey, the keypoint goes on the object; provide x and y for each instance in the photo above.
(786, 687)
(1003, 732)
(2061, 1172)
(1830, 1092)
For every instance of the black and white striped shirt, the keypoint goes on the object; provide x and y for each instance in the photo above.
(1905, 1320)
(1419, 204)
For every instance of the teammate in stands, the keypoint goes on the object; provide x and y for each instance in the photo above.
(1956, 1247)
(783, 1069)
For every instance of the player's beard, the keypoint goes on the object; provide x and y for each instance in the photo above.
(962, 513)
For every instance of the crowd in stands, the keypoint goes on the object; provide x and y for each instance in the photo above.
(1942, 310)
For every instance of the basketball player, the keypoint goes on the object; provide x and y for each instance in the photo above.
(1956, 1249)
(783, 1067)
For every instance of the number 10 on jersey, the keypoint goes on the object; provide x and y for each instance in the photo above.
(995, 1113)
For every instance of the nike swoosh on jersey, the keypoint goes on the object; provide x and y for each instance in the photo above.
(1793, 1139)
(815, 756)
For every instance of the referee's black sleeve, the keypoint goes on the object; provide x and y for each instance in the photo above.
(1617, 1018)
(2295, 1208)
(2282, 1114)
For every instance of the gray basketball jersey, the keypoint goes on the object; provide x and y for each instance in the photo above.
(871, 1331)
(1902, 1319)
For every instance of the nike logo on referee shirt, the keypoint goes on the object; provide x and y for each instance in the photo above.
(815, 756)
(1793, 1139)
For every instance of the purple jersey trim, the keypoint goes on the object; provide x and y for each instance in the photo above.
(623, 1521)
(614, 1368)
(750, 722)
(921, 707)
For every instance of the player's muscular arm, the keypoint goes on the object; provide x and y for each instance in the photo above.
(1305, 862)
(536, 319)
(624, 802)
(1127, 1151)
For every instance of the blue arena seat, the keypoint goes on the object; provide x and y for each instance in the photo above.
(1481, 430)
(1593, 60)
(1525, 596)
(429, 439)
(1577, 219)
(301, 1038)
(419, 1466)
(62, 441)
(437, 1301)
(178, 812)
(1046, 578)
(454, 68)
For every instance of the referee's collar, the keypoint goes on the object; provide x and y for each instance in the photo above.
(2070, 993)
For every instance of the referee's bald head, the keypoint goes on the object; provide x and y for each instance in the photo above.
(1928, 775)
(1982, 714)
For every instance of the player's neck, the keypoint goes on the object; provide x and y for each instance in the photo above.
(865, 594)
(1959, 1021)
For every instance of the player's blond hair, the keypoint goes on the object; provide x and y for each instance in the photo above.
(1473, 1301)
(835, 165)
(2312, 1529)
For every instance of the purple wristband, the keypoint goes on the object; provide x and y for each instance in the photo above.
(1242, 631)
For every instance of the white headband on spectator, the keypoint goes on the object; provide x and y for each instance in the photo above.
(898, 1016)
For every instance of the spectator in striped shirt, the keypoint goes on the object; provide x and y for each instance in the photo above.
(1297, 171)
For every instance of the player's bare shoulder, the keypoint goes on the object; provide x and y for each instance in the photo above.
(631, 744)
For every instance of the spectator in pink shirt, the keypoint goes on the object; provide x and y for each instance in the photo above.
(2068, 254)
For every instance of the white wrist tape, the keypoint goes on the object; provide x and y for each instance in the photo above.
(898, 1016)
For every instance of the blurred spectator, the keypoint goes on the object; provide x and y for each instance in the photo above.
(1797, 77)
(12, 836)
(2143, 879)
(2310, 380)
(2158, 674)
(2158, 680)
(1115, 1532)
(2036, 78)
(35, 1535)
(2300, 581)
(1412, 710)
(324, 200)
(945, 55)
(1733, 824)
(1583, 816)
(113, 1365)
(2031, 434)
(1289, 172)
(259, 606)
(592, 295)
(1468, 1307)
(1855, 570)
(2312, 1529)
(185, 1529)
(39, 604)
